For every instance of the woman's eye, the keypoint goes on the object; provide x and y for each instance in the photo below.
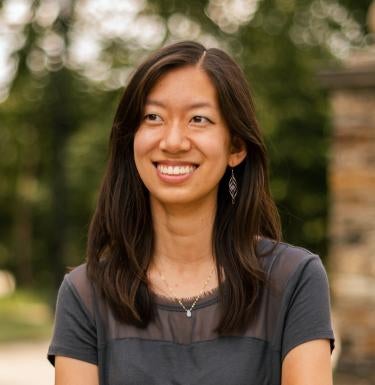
(152, 118)
(200, 119)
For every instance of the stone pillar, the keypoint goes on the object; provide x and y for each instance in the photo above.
(352, 214)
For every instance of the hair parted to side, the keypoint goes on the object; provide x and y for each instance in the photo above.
(121, 237)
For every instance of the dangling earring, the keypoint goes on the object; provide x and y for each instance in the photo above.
(233, 190)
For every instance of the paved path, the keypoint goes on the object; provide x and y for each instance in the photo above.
(25, 364)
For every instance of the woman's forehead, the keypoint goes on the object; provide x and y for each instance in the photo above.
(188, 86)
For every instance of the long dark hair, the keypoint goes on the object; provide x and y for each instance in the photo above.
(121, 237)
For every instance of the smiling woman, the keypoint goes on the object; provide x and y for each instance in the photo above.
(186, 279)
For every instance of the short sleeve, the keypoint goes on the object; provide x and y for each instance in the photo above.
(74, 332)
(308, 312)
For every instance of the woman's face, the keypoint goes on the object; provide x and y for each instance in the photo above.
(182, 146)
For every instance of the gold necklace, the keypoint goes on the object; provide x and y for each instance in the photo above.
(188, 311)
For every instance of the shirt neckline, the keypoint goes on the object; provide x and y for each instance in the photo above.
(207, 298)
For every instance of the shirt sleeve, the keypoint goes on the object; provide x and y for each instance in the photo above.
(74, 332)
(308, 313)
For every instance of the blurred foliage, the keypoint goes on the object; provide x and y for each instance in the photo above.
(24, 315)
(55, 123)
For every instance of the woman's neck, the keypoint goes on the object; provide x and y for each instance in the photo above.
(183, 236)
(183, 248)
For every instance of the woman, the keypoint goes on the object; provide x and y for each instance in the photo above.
(186, 280)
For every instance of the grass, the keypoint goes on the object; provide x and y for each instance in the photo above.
(24, 315)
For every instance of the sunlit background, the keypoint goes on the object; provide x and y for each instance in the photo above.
(101, 40)
(63, 66)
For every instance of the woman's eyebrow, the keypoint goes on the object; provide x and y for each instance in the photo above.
(158, 103)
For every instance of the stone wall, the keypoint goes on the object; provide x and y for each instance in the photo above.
(352, 216)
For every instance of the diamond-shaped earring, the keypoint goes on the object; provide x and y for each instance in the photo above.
(233, 190)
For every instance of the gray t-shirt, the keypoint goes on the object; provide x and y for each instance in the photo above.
(178, 350)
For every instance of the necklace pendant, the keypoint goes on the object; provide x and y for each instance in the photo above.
(188, 313)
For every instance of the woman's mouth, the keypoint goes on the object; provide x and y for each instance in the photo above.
(175, 170)
(175, 173)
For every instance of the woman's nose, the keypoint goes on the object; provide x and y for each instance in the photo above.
(174, 138)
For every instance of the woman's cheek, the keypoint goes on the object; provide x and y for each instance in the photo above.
(145, 140)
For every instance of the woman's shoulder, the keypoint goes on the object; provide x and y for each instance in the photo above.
(78, 278)
(283, 261)
(80, 285)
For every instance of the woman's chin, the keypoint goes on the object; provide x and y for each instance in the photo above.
(182, 200)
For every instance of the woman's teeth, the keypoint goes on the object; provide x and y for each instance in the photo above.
(175, 170)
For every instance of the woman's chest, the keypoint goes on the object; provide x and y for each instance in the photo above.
(223, 361)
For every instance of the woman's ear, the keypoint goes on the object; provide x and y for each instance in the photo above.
(238, 152)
